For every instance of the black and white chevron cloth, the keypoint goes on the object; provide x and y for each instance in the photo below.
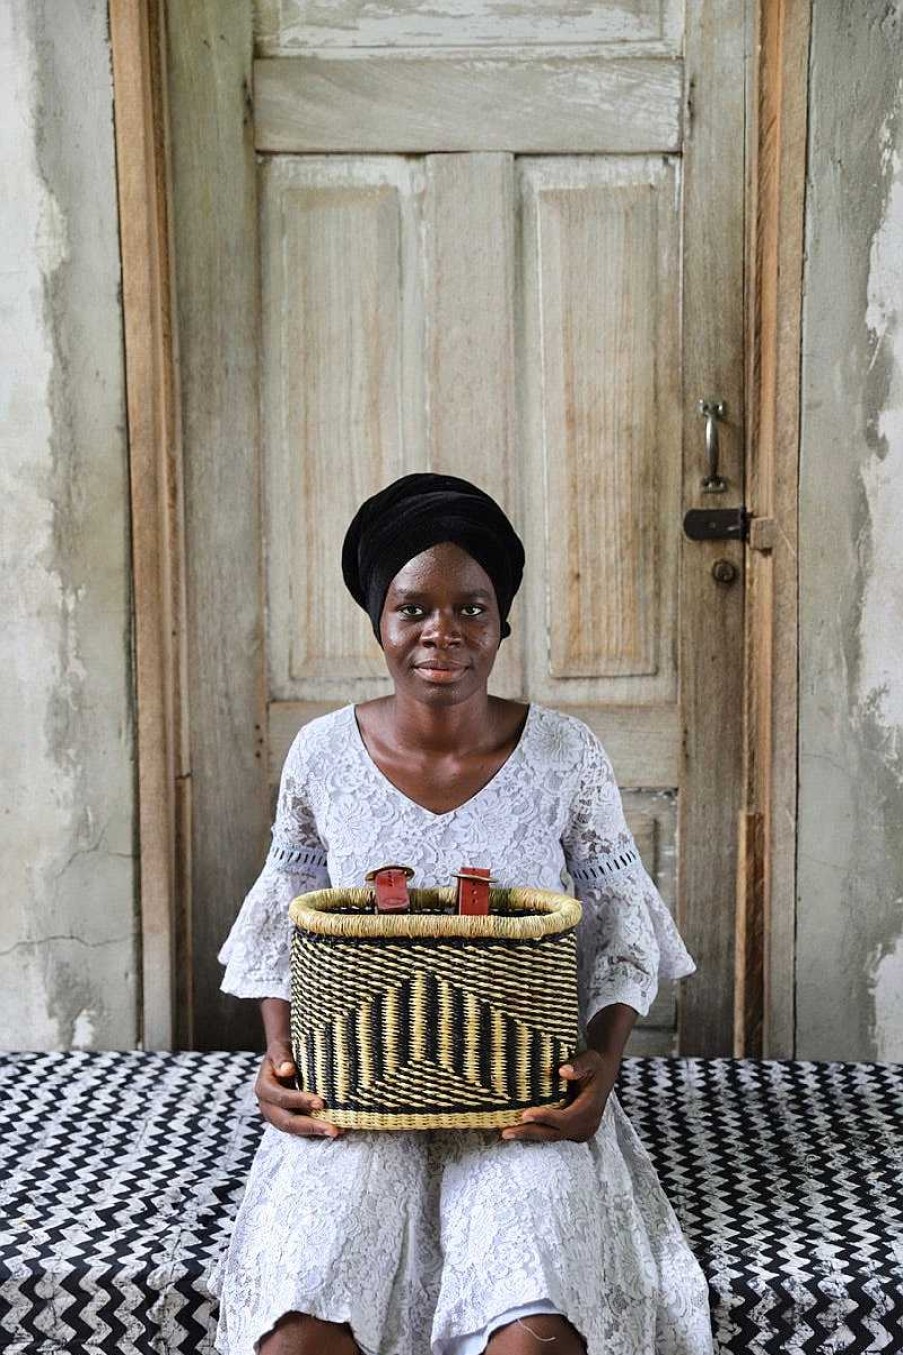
(787, 1178)
(120, 1173)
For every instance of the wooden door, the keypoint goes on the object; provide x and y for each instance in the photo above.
(504, 242)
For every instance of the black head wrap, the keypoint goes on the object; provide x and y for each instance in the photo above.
(419, 511)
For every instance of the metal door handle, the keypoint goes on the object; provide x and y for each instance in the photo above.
(712, 411)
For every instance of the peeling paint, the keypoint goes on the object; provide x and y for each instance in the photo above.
(850, 862)
(881, 620)
(888, 997)
(51, 237)
(83, 1029)
(67, 930)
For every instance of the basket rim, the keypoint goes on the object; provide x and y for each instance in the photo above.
(552, 914)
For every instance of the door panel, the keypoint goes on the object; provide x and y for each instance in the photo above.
(470, 220)
(343, 408)
(452, 103)
(287, 27)
(601, 382)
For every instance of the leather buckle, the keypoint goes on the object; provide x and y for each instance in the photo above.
(390, 888)
(473, 890)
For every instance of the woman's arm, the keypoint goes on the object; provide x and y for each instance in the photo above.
(280, 1102)
(609, 1030)
(257, 951)
(276, 1015)
(596, 1070)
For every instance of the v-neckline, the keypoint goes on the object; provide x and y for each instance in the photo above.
(493, 781)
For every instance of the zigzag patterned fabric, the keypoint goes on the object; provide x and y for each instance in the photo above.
(787, 1177)
(120, 1174)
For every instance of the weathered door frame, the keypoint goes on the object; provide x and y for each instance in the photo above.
(764, 1009)
(157, 538)
(168, 658)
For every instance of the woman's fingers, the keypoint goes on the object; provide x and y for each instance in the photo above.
(548, 1122)
(287, 1108)
(271, 1089)
(539, 1133)
(290, 1122)
(281, 1058)
(287, 1098)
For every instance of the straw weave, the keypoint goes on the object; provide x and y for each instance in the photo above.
(428, 1019)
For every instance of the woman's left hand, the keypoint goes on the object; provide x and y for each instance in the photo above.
(594, 1074)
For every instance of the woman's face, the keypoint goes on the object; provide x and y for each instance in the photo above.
(440, 626)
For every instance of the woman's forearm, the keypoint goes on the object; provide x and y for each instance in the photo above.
(276, 1014)
(609, 1029)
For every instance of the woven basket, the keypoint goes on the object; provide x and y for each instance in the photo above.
(431, 1020)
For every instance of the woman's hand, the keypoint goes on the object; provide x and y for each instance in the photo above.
(594, 1074)
(281, 1104)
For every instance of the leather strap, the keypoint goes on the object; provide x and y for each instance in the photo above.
(390, 888)
(473, 891)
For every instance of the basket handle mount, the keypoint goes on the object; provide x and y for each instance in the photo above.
(473, 891)
(390, 888)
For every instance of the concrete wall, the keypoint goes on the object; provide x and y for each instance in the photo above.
(68, 947)
(850, 907)
(67, 918)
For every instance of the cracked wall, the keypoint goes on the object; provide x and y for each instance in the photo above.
(850, 897)
(68, 937)
(67, 920)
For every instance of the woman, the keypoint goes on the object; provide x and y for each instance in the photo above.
(452, 1242)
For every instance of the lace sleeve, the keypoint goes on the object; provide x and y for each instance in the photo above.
(627, 939)
(257, 950)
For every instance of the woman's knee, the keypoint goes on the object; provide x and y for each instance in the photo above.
(302, 1334)
(542, 1332)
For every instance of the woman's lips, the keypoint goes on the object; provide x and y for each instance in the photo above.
(436, 673)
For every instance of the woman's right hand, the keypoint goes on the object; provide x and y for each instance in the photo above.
(281, 1104)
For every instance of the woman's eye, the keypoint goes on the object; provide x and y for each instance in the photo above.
(414, 610)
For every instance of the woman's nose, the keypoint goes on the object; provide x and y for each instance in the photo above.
(441, 628)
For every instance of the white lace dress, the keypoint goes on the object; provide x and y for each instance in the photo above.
(419, 1239)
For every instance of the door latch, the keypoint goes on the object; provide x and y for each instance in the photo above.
(731, 524)
(717, 524)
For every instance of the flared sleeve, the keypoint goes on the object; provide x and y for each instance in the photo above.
(257, 950)
(627, 939)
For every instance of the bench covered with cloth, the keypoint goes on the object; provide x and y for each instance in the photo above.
(120, 1174)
